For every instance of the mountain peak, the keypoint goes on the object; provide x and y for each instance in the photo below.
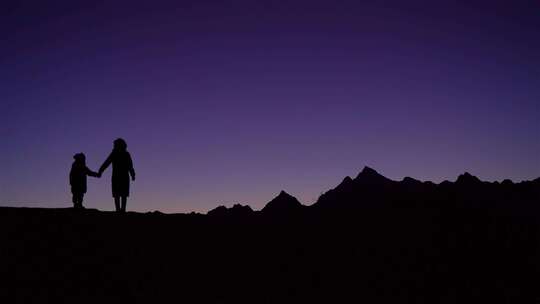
(236, 209)
(467, 178)
(345, 182)
(507, 182)
(367, 171)
(283, 192)
(369, 175)
(410, 180)
(283, 202)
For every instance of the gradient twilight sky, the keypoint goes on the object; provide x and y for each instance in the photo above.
(233, 101)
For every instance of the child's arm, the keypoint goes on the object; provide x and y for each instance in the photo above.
(92, 173)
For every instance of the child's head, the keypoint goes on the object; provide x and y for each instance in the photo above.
(79, 158)
(120, 144)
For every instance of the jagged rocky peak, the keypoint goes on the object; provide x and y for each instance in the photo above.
(241, 207)
(282, 193)
(284, 201)
(236, 209)
(467, 178)
(367, 171)
(507, 182)
(446, 183)
(369, 175)
(410, 181)
(345, 182)
(219, 210)
(347, 179)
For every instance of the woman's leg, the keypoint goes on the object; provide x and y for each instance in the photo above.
(124, 203)
(117, 203)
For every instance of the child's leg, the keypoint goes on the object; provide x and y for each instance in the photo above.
(117, 203)
(77, 200)
(124, 203)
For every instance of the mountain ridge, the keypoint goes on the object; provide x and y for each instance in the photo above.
(371, 186)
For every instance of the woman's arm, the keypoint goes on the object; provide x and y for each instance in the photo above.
(130, 167)
(107, 162)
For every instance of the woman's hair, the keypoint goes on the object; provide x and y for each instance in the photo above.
(120, 144)
(79, 157)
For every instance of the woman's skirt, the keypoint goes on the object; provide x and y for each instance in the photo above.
(120, 185)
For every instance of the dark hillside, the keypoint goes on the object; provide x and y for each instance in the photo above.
(414, 242)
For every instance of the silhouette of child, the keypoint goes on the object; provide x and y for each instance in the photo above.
(77, 179)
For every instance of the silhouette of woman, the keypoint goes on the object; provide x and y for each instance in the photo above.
(122, 167)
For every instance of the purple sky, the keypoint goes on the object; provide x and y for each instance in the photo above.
(233, 101)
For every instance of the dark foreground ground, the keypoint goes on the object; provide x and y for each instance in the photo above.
(385, 255)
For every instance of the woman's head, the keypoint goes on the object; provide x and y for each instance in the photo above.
(120, 144)
(79, 158)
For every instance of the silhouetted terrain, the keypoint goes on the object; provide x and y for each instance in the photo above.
(369, 240)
